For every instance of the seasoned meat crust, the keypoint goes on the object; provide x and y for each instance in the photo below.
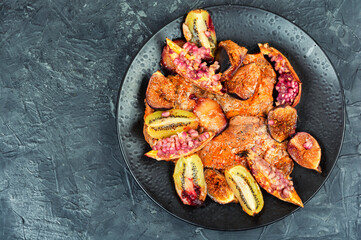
(245, 133)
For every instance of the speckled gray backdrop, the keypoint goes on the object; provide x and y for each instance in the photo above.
(61, 171)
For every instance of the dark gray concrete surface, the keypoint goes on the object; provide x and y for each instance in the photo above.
(62, 175)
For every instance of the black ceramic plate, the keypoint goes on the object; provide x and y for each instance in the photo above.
(321, 113)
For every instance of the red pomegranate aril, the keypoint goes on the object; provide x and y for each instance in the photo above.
(308, 144)
(165, 114)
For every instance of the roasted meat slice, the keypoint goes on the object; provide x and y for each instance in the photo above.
(261, 101)
(221, 152)
(244, 81)
(186, 93)
(244, 133)
(235, 54)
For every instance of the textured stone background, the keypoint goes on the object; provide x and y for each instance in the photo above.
(61, 171)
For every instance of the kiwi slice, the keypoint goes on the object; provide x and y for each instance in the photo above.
(189, 180)
(246, 189)
(198, 28)
(162, 124)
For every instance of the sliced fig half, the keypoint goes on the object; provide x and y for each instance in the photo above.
(160, 92)
(218, 188)
(162, 124)
(289, 86)
(189, 180)
(246, 189)
(273, 180)
(210, 115)
(305, 150)
(189, 62)
(198, 28)
(179, 145)
(282, 121)
(166, 61)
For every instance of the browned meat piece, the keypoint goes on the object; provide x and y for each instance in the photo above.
(236, 54)
(221, 152)
(261, 101)
(185, 91)
(257, 105)
(244, 81)
(245, 133)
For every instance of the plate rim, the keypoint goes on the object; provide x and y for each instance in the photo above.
(121, 144)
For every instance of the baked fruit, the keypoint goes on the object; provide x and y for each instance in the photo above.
(198, 28)
(166, 61)
(282, 121)
(160, 92)
(189, 180)
(218, 188)
(289, 85)
(179, 145)
(163, 124)
(246, 189)
(190, 64)
(273, 180)
(305, 150)
(210, 115)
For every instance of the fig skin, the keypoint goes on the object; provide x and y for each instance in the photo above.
(282, 122)
(305, 150)
(210, 115)
(166, 61)
(218, 188)
(160, 92)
